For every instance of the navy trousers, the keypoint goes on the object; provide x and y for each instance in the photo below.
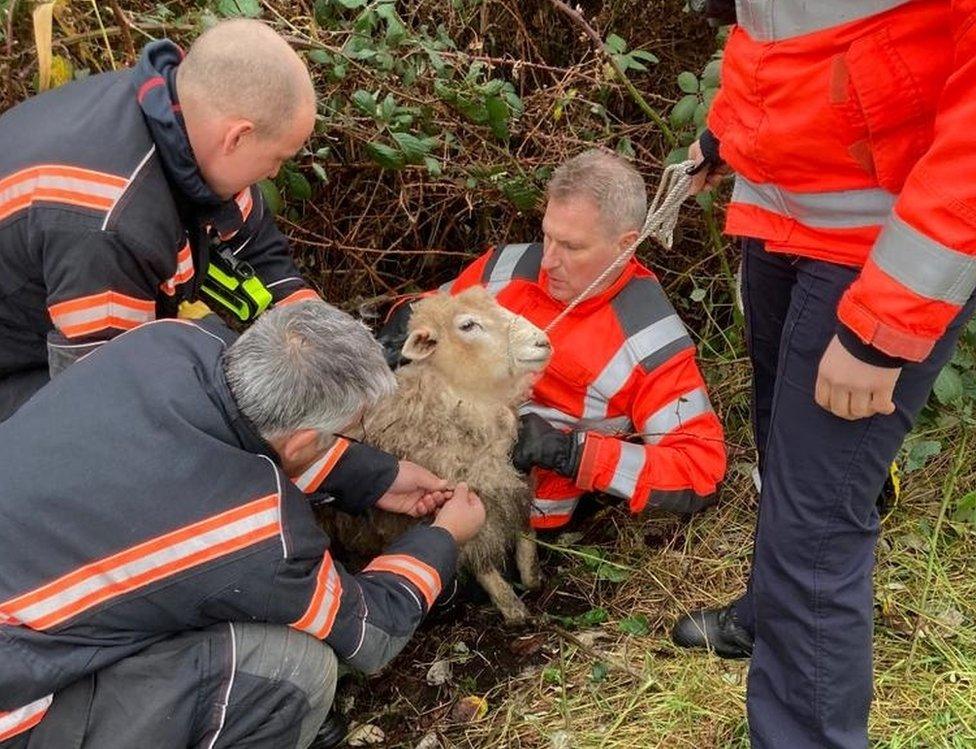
(809, 600)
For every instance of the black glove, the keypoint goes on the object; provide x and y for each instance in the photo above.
(393, 335)
(541, 444)
(718, 12)
(710, 158)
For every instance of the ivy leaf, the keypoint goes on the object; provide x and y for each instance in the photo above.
(612, 573)
(635, 625)
(386, 156)
(599, 672)
(593, 617)
(233, 8)
(688, 82)
(948, 385)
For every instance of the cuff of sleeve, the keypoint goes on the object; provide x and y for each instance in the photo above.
(426, 556)
(880, 336)
(361, 476)
(865, 352)
(586, 476)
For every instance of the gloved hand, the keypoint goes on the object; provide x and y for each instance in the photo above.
(541, 444)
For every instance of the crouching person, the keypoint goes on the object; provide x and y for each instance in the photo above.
(622, 407)
(164, 581)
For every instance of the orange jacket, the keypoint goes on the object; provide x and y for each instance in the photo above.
(852, 127)
(623, 370)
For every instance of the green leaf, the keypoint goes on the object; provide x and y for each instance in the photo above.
(711, 75)
(271, 195)
(320, 57)
(948, 385)
(966, 509)
(635, 625)
(592, 558)
(676, 156)
(233, 8)
(414, 148)
(434, 166)
(612, 573)
(625, 147)
(688, 82)
(497, 116)
(641, 54)
(365, 102)
(615, 45)
(552, 675)
(592, 618)
(351, 4)
(298, 185)
(386, 156)
(698, 295)
(920, 453)
(320, 172)
(684, 110)
(599, 672)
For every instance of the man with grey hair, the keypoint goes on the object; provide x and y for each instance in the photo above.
(126, 193)
(622, 407)
(164, 581)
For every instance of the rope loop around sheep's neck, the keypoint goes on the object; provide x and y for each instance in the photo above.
(662, 217)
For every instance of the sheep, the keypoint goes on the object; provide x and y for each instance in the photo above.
(471, 364)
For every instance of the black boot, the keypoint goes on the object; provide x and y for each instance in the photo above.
(715, 629)
(332, 733)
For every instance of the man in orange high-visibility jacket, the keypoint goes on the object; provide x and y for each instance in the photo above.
(851, 127)
(622, 407)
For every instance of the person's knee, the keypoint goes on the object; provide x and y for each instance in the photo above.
(279, 653)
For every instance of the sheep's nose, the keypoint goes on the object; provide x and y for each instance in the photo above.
(543, 344)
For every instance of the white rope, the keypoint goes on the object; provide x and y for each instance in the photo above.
(662, 216)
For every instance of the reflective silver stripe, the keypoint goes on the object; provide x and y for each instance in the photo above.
(501, 274)
(543, 507)
(636, 348)
(925, 266)
(628, 470)
(775, 20)
(23, 716)
(106, 580)
(676, 413)
(329, 586)
(612, 425)
(446, 287)
(843, 209)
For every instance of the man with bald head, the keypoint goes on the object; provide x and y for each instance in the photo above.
(118, 192)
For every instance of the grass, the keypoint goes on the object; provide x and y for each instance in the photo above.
(600, 687)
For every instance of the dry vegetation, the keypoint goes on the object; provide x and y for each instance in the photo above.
(440, 120)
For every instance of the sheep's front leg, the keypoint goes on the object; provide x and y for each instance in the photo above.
(502, 595)
(527, 560)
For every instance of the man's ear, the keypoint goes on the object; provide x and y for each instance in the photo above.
(419, 344)
(298, 447)
(626, 240)
(235, 134)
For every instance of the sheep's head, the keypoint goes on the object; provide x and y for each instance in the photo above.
(475, 344)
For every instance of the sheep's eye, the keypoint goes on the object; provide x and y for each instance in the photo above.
(468, 325)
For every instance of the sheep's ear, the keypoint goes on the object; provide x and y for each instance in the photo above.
(419, 345)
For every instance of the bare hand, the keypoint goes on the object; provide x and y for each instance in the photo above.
(415, 492)
(852, 389)
(462, 515)
(705, 179)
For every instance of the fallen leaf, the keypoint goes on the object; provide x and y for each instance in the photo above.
(429, 741)
(523, 647)
(470, 709)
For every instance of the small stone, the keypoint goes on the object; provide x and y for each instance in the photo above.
(366, 735)
(439, 673)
